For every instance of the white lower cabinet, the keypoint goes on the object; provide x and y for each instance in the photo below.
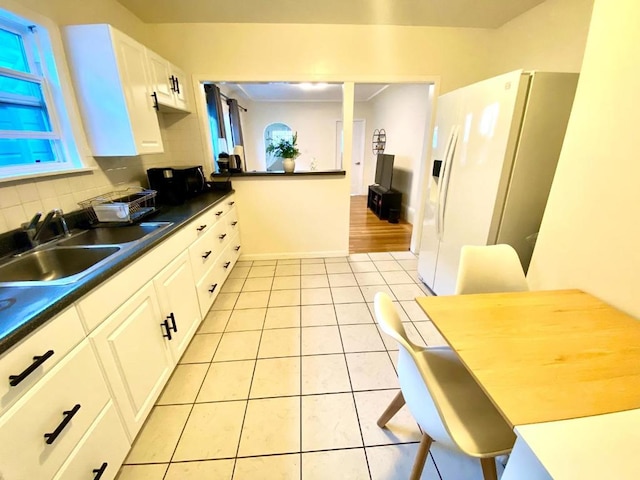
(39, 432)
(178, 304)
(134, 355)
(100, 452)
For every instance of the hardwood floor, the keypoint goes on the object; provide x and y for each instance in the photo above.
(367, 233)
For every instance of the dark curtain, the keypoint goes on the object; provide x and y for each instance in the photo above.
(214, 107)
(236, 125)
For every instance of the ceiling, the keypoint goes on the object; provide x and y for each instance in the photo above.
(451, 13)
(295, 92)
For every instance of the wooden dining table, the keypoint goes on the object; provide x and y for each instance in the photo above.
(544, 356)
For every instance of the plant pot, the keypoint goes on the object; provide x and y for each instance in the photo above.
(289, 164)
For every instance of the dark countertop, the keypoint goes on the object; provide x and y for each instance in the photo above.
(24, 309)
(306, 173)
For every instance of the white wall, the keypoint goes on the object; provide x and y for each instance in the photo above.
(590, 233)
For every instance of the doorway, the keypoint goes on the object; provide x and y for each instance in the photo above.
(357, 157)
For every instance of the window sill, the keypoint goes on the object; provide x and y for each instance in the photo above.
(50, 173)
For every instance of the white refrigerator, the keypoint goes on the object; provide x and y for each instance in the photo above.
(496, 144)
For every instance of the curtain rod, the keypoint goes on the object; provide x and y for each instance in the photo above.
(228, 98)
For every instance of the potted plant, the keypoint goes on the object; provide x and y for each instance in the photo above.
(287, 150)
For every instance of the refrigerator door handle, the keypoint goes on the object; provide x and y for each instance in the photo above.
(448, 163)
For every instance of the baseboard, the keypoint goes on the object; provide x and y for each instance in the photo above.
(292, 255)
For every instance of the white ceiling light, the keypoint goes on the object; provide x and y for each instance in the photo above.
(313, 86)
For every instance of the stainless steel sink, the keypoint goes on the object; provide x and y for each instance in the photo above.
(55, 265)
(116, 235)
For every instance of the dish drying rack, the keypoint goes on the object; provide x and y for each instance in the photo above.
(121, 206)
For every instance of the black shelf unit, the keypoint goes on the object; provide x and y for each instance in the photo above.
(385, 203)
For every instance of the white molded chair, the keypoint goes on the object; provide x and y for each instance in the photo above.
(443, 398)
(490, 269)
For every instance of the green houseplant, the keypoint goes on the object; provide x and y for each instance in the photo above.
(287, 150)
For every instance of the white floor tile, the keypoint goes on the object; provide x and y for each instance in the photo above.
(430, 334)
(232, 285)
(212, 431)
(397, 277)
(359, 257)
(227, 381)
(316, 296)
(158, 438)
(414, 311)
(244, 263)
(329, 421)
(403, 255)
(252, 300)
(337, 465)
(409, 264)
(369, 292)
(271, 425)
(407, 292)
(259, 284)
(274, 467)
(143, 472)
(261, 271)
(249, 319)
(362, 267)
(215, 321)
(225, 301)
(282, 342)
(312, 261)
(324, 374)
(361, 338)
(218, 469)
(284, 298)
(394, 462)
(239, 272)
(346, 295)
(315, 281)
(320, 340)
(369, 278)
(380, 256)
(383, 266)
(286, 283)
(342, 280)
(282, 317)
(371, 371)
(184, 384)
(276, 377)
(201, 348)
(412, 333)
(338, 268)
(336, 259)
(402, 428)
(265, 263)
(353, 313)
(287, 270)
(237, 346)
(318, 315)
(290, 261)
(313, 269)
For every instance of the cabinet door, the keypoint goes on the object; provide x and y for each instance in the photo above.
(135, 356)
(180, 89)
(160, 79)
(178, 302)
(135, 78)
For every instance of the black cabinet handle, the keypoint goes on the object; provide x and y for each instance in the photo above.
(213, 288)
(231, 203)
(68, 415)
(177, 85)
(237, 247)
(37, 361)
(233, 224)
(99, 471)
(155, 101)
(219, 213)
(201, 227)
(169, 328)
(206, 254)
(226, 265)
(172, 79)
(221, 237)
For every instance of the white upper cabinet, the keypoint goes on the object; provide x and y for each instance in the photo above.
(169, 83)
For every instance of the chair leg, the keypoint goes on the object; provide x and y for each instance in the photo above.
(395, 405)
(421, 457)
(489, 468)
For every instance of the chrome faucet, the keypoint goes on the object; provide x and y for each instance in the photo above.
(34, 232)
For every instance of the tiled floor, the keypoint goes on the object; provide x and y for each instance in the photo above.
(287, 376)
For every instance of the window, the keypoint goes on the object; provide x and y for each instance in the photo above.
(273, 133)
(32, 115)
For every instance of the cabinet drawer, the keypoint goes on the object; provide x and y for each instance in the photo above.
(203, 252)
(235, 247)
(104, 442)
(201, 225)
(50, 344)
(210, 285)
(231, 219)
(48, 409)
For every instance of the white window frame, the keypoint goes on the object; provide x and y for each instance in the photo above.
(42, 64)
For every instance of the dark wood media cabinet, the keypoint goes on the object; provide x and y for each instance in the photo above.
(385, 203)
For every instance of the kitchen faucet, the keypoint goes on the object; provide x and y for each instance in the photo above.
(34, 232)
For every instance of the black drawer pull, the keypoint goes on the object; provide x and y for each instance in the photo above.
(201, 227)
(206, 254)
(231, 203)
(237, 247)
(169, 328)
(213, 288)
(155, 101)
(219, 213)
(68, 415)
(226, 265)
(37, 361)
(233, 224)
(100, 471)
(221, 237)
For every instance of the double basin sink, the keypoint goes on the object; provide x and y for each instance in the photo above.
(69, 259)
